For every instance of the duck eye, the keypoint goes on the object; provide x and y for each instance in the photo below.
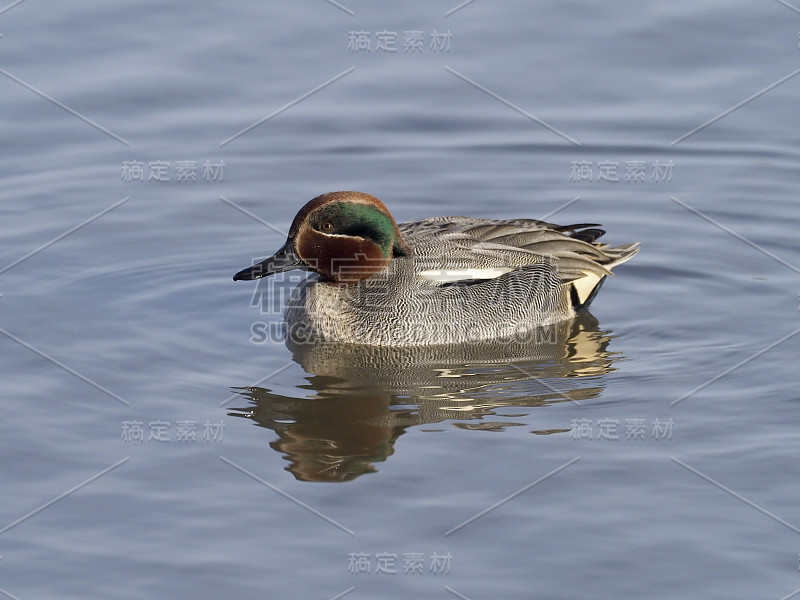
(327, 226)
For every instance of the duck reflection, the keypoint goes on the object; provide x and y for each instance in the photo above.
(361, 399)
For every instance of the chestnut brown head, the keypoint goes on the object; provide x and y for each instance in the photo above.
(346, 237)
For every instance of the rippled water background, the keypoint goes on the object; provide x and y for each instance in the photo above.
(133, 317)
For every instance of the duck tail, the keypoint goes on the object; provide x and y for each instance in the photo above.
(621, 254)
(582, 290)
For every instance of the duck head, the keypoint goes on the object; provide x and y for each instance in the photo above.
(344, 236)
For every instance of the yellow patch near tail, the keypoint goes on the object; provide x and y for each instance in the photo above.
(585, 286)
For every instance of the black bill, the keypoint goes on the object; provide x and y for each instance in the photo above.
(284, 259)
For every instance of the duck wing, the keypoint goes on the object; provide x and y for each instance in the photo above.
(463, 250)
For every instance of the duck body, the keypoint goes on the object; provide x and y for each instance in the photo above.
(444, 280)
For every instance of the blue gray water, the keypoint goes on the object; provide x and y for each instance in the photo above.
(156, 444)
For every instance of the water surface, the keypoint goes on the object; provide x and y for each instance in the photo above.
(651, 446)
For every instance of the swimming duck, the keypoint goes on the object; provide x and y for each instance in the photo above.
(443, 280)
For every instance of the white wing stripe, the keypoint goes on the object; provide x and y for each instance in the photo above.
(448, 275)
